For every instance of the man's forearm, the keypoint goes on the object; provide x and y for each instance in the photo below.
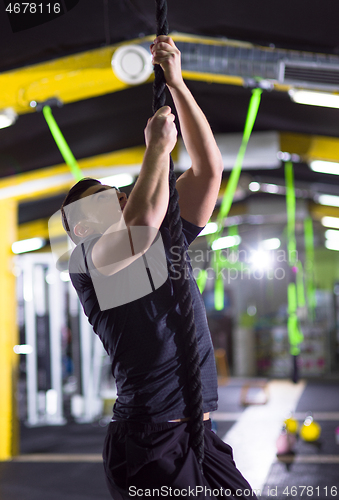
(147, 204)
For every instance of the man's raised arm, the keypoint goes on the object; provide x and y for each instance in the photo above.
(198, 187)
(147, 203)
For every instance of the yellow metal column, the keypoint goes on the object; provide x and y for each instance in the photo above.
(8, 332)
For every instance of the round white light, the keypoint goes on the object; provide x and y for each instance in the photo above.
(254, 186)
(132, 64)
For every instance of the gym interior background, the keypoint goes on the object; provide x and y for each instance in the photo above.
(270, 275)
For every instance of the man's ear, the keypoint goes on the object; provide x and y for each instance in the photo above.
(83, 229)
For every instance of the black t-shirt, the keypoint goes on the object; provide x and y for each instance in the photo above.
(145, 343)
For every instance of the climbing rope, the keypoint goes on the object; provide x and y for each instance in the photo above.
(180, 283)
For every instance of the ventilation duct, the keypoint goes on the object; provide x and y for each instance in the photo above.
(254, 63)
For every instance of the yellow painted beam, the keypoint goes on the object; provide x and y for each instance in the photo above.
(51, 181)
(324, 148)
(298, 144)
(310, 147)
(72, 78)
(33, 229)
(8, 333)
(320, 211)
(55, 180)
(213, 78)
(89, 74)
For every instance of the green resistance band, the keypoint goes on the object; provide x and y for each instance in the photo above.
(233, 180)
(295, 292)
(202, 279)
(300, 285)
(235, 174)
(62, 144)
(290, 207)
(309, 265)
(220, 264)
(294, 334)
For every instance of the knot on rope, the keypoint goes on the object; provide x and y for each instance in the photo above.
(181, 283)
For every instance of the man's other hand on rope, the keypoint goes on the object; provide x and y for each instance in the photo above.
(198, 187)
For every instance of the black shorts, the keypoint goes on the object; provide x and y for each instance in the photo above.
(144, 461)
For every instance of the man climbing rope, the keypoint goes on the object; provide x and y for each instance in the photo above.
(147, 451)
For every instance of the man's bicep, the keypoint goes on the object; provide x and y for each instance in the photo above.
(197, 196)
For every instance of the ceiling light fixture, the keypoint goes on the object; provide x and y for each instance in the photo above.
(254, 186)
(330, 222)
(328, 199)
(332, 235)
(314, 98)
(210, 228)
(260, 259)
(270, 244)
(29, 245)
(23, 349)
(270, 188)
(7, 117)
(332, 245)
(325, 167)
(118, 180)
(226, 242)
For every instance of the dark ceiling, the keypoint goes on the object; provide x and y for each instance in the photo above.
(116, 120)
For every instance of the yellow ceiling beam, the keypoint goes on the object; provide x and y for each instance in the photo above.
(324, 148)
(89, 74)
(72, 78)
(57, 179)
(320, 211)
(54, 180)
(33, 229)
(310, 147)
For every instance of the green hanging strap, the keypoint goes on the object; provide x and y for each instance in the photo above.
(294, 334)
(294, 292)
(300, 285)
(309, 266)
(235, 174)
(290, 207)
(62, 144)
(201, 279)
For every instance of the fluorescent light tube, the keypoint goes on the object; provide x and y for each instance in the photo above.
(23, 349)
(330, 222)
(332, 245)
(325, 167)
(328, 199)
(118, 180)
(314, 98)
(210, 228)
(270, 244)
(27, 245)
(226, 242)
(332, 234)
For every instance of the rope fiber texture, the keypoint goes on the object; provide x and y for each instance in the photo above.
(179, 270)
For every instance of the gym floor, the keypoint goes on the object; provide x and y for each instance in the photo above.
(65, 463)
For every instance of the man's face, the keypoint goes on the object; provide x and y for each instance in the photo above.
(102, 206)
